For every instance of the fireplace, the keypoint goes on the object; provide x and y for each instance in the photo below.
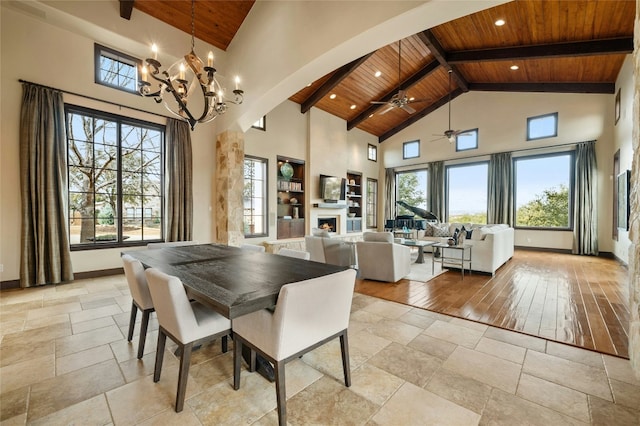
(328, 223)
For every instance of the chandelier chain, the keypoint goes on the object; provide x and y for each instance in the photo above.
(193, 25)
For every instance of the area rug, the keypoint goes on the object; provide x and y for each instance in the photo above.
(423, 271)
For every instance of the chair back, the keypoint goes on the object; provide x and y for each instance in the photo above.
(172, 305)
(298, 254)
(312, 310)
(378, 237)
(134, 272)
(153, 246)
(252, 247)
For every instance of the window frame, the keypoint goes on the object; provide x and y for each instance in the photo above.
(122, 58)
(372, 204)
(120, 120)
(538, 117)
(265, 191)
(570, 196)
(407, 144)
(372, 153)
(477, 136)
(447, 188)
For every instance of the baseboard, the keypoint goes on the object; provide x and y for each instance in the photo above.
(14, 284)
(550, 250)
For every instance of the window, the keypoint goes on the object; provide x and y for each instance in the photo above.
(467, 193)
(467, 140)
(543, 191)
(410, 150)
(255, 197)
(411, 188)
(372, 152)
(542, 126)
(115, 69)
(115, 179)
(260, 124)
(372, 203)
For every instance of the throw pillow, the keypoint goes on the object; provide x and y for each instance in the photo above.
(428, 231)
(440, 230)
(467, 232)
(317, 232)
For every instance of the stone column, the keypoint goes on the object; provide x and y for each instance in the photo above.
(229, 184)
(634, 218)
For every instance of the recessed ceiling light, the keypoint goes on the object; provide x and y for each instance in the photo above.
(514, 67)
(370, 115)
(412, 98)
(352, 107)
(499, 22)
(333, 96)
(309, 85)
(378, 73)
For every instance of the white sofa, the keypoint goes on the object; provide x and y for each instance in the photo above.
(492, 244)
(379, 258)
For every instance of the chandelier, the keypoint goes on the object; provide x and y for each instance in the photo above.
(181, 80)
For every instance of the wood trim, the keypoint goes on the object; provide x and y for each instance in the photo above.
(126, 7)
(440, 54)
(569, 49)
(604, 88)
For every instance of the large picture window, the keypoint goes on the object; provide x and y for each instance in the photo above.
(467, 193)
(372, 203)
(255, 197)
(411, 188)
(115, 179)
(543, 191)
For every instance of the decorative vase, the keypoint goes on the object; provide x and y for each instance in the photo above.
(295, 213)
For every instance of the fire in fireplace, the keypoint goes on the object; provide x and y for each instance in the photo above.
(328, 223)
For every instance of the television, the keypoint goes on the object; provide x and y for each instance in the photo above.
(332, 188)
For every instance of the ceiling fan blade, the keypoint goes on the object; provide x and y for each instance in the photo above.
(418, 100)
(401, 93)
(387, 109)
(378, 103)
(408, 109)
(437, 139)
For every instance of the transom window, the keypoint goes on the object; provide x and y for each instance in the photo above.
(543, 191)
(467, 140)
(411, 149)
(115, 69)
(115, 179)
(467, 193)
(255, 197)
(372, 152)
(542, 126)
(261, 124)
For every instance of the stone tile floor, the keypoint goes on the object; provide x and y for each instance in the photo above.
(64, 360)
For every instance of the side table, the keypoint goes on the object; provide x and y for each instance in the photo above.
(466, 248)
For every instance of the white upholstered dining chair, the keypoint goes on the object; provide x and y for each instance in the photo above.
(252, 247)
(298, 254)
(141, 299)
(307, 315)
(185, 322)
(153, 246)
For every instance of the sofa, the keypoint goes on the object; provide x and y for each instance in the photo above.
(492, 244)
(381, 259)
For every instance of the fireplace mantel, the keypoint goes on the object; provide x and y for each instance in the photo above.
(330, 206)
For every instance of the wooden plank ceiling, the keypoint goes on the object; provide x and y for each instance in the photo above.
(567, 46)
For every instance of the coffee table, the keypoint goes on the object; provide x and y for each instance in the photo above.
(450, 259)
(420, 245)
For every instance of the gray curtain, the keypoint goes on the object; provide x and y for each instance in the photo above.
(500, 204)
(180, 182)
(585, 212)
(45, 255)
(390, 194)
(436, 189)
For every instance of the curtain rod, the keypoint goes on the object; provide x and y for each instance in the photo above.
(491, 153)
(94, 99)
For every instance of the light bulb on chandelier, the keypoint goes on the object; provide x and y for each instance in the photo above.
(181, 80)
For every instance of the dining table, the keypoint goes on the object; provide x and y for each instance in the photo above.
(230, 280)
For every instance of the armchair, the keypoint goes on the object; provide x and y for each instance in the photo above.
(379, 258)
(329, 250)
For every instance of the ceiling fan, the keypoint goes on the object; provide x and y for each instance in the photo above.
(451, 135)
(400, 99)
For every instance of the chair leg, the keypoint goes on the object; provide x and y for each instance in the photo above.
(144, 324)
(225, 344)
(344, 347)
(252, 360)
(281, 393)
(132, 320)
(162, 339)
(183, 375)
(237, 361)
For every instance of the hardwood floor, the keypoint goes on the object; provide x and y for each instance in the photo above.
(578, 300)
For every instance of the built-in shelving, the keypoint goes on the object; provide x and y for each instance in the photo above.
(290, 191)
(354, 201)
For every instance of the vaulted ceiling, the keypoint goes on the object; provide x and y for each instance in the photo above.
(558, 46)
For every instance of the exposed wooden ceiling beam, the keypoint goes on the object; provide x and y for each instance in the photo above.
(405, 85)
(440, 54)
(126, 7)
(420, 114)
(569, 49)
(332, 82)
(605, 88)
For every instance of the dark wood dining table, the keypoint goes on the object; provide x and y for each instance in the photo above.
(232, 281)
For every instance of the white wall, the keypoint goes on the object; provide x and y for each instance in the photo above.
(501, 119)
